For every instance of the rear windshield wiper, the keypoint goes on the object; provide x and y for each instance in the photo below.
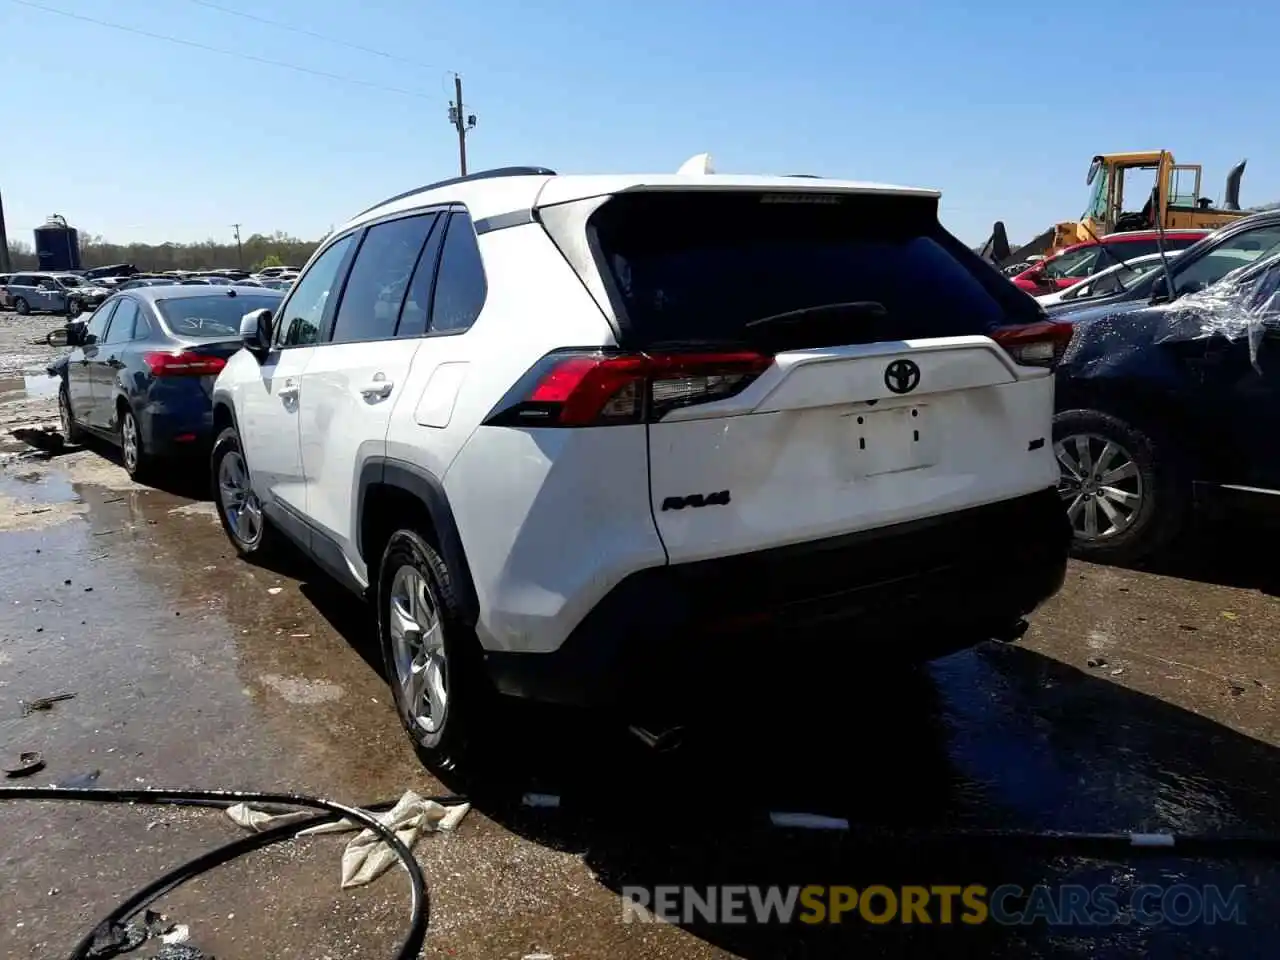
(852, 309)
(826, 325)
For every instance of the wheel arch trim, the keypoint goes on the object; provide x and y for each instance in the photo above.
(427, 488)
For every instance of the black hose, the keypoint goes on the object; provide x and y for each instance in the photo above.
(419, 911)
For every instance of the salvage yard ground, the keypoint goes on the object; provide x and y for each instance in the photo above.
(1139, 700)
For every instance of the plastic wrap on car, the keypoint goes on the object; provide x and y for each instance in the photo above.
(1234, 309)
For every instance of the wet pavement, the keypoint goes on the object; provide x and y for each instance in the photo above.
(1139, 701)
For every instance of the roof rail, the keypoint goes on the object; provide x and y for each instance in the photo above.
(478, 175)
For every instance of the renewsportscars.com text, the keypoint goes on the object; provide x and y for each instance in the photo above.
(971, 904)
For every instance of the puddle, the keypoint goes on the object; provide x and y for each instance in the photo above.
(32, 514)
(38, 487)
(28, 386)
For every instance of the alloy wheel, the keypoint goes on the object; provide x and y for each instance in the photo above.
(237, 500)
(417, 643)
(1100, 484)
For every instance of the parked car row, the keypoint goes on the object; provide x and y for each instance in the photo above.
(66, 294)
(70, 294)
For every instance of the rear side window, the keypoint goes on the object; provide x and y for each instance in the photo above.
(121, 329)
(379, 278)
(416, 311)
(460, 284)
(702, 266)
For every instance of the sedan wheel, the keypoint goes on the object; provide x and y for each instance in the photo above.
(129, 442)
(1101, 486)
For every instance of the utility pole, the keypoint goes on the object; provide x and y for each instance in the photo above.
(462, 121)
(239, 251)
(4, 243)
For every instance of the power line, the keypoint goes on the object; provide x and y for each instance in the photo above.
(279, 25)
(226, 53)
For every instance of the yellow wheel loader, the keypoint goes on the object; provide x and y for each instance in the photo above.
(1174, 203)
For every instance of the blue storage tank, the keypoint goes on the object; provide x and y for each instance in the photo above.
(57, 245)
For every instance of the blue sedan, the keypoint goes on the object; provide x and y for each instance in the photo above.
(141, 369)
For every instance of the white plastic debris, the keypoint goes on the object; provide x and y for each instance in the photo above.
(540, 800)
(367, 856)
(178, 933)
(274, 590)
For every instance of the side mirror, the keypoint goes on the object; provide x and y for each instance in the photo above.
(1160, 292)
(76, 333)
(255, 330)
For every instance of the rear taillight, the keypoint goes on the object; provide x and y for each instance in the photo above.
(183, 364)
(1035, 344)
(584, 388)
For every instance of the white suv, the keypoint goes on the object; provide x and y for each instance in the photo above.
(570, 433)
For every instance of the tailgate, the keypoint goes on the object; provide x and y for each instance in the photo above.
(824, 444)
(823, 363)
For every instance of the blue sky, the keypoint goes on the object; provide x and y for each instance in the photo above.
(1000, 105)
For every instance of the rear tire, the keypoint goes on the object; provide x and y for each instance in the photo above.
(21, 306)
(70, 432)
(1136, 486)
(239, 509)
(433, 660)
(138, 463)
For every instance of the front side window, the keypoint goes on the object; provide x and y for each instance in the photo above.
(379, 278)
(302, 314)
(98, 324)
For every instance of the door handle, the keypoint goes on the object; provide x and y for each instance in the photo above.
(378, 388)
(289, 391)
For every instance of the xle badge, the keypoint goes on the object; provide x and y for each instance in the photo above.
(719, 499)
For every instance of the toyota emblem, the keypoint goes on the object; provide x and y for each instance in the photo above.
(902, 376)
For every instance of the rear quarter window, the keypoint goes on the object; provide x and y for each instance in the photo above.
(700, 266)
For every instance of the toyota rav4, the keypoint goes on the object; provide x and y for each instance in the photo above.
(572, 434)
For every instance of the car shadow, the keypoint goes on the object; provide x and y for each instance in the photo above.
(999, 739)
(967, 772)
(1225, 550)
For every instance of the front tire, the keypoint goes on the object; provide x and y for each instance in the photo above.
(1125, 491)
(21, 306)
(432, 656)
(239, 509)
(70, 432)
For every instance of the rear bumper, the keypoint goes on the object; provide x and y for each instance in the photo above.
(925, 588)
(174, 433)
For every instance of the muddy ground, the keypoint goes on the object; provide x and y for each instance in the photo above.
(1139, 701)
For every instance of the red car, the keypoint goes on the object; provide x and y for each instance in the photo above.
(1070, 266)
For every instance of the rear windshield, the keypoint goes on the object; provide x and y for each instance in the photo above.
(701, 266)
(213, 316)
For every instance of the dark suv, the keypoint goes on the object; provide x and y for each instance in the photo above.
(1198, 266)
(1168, 405)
